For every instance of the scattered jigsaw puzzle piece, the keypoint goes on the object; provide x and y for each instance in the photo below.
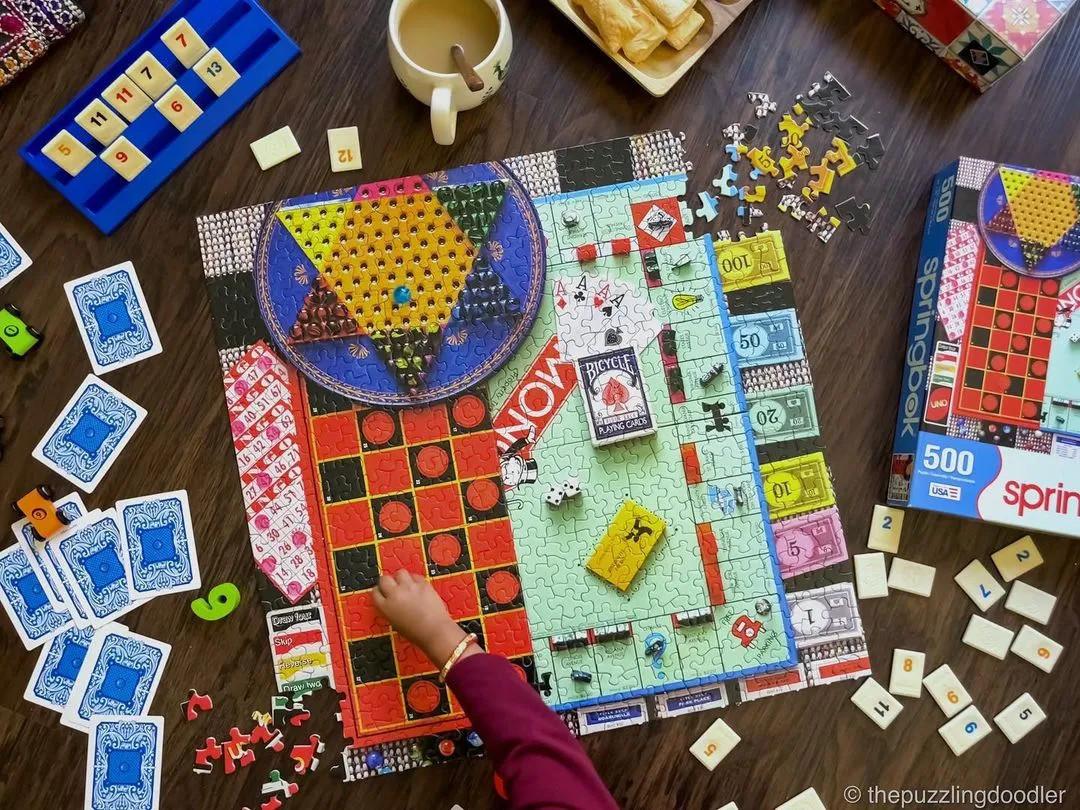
(856, 217)
(204, 756)
(840, 155)
(762, 160)
(792, 131)
(726, 182)
(304, 754)
(763, 105)
(845, 127)
(870, 152)
(756, 195)
(708, 208)
(196, 704)
(822, 182)
(795, 159)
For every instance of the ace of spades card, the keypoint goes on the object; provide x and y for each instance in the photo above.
(616, 402)
(595, 314)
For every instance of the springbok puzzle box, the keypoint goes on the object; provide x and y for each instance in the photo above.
(989, 418)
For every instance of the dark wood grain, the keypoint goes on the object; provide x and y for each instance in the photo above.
(854, 297)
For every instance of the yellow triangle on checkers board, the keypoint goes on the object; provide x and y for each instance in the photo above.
(626, 544)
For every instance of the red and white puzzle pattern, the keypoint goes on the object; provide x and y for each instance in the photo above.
(262, 398)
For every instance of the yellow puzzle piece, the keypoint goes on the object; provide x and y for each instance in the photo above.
(761, 159)
(822, 182)
(795, 159)
(792, 130)
(626, 544)
(755, 194)
(840, 155)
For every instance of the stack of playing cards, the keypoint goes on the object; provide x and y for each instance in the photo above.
(616, 402)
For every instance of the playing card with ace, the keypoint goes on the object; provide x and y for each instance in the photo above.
(616, 401)
(595, 314)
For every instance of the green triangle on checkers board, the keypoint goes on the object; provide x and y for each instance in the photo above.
(474, 207)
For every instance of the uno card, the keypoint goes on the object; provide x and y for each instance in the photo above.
(159, 544)
(119, 677)
(300, 648)
(13, 259)
(616, 402)
(58, 667)
(88, 435)
(123, 763)
(113, 318)
(70, 509)
(23, 596)
(90, 556)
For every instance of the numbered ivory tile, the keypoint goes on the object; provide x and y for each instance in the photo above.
(980, 585)
(807, 800)
(344, 149)
(876, 703)
(185, 43)
(215, 70)
(1036, 648)
(907, 673)
(885, 529)
(1019, 717)
(178, 108)
(912, 577)
(964, 730)
(101, 121)
(990, 638)
(730, 806)
(275, 148)
(946, 690)
(127, 98)
(1016, 559)
(870, 577)
(151, 76)
(68, 152)
(1030, 602)
(125, 158)
(716, 743)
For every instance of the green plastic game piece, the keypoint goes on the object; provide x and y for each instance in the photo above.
(222, 600)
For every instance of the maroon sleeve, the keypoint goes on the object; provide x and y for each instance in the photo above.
(542, 765)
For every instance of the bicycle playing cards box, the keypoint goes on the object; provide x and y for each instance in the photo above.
(989, 417)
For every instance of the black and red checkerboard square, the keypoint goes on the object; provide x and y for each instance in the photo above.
(1002, 375)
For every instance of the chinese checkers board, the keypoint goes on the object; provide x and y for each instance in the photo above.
(989, 424)
(594, 433)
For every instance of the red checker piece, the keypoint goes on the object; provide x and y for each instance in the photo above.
(482, 494)
(423, 697)
(444, 550)
(1030, 410)
(1043, 326)
(395, 516)
(1019, 343)
(1026, 303)
(1009, 279)
(378, 427)
(469, 411)
(1050, 287)
(1003, 320)
(447, 748)
(432, 461)
(1038, 368)
(990, 402)
(997, 362)
(503, 587)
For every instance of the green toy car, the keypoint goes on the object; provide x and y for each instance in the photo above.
(19, 338)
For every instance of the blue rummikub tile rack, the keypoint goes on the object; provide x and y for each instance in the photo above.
(249, 39)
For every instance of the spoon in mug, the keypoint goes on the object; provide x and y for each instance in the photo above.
(467, 71)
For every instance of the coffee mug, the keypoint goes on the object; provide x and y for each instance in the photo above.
(446, 92)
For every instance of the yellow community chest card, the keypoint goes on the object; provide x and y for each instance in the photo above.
(626, 544)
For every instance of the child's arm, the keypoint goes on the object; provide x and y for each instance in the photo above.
(542, 765)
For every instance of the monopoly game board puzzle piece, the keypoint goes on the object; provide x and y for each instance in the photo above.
(368, 443)
(141, 119)
(989, 421)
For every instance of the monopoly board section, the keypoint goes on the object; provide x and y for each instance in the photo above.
(989, 423)
(554, 418)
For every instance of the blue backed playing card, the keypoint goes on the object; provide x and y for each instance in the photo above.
(57, 668)
(88, 435)
(123, 763)
(120, 676)
(113, 318)
(23, 595)
(159, 544)
(90, 556)
(13, 259)
(71, 509)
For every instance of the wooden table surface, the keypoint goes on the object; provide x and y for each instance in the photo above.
(854, 297)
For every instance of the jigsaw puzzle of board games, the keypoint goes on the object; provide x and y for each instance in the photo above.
(528, 381)
(989, 423)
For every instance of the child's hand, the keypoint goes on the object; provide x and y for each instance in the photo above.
(415, 610)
